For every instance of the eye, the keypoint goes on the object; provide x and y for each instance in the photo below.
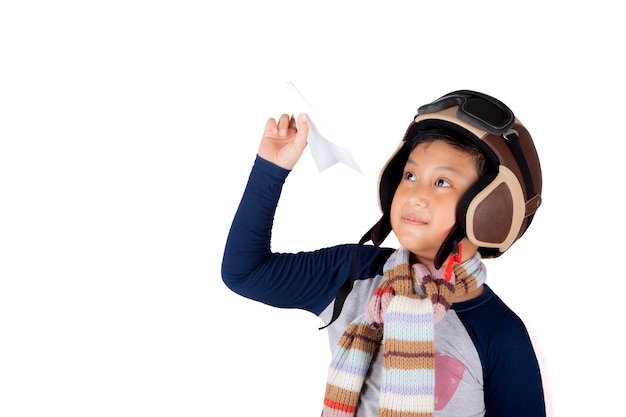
(409, 176)
(442, 183)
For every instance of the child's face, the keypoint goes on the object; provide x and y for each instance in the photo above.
(423, 210)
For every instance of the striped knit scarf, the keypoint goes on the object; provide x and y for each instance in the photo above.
(402, 311)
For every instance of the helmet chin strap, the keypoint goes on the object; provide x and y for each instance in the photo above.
(450, 245)
(457, 256)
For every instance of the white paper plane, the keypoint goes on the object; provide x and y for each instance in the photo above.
(325, 153)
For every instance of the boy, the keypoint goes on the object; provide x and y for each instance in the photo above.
(415, 331)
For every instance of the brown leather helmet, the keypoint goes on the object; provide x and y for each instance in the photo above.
(497, 210)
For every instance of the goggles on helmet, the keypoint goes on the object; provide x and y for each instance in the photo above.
(476, 109)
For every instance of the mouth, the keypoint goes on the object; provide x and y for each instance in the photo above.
(414, 220)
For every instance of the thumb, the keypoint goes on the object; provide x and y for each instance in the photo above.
(303, 131)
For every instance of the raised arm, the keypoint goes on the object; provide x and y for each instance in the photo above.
(305, 280)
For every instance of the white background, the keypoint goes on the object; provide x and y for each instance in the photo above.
(127, 133)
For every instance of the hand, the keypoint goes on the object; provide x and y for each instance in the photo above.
(283, 143)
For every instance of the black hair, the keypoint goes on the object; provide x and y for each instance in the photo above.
(451, 138)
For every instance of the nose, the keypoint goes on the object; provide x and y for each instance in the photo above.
(419, 196)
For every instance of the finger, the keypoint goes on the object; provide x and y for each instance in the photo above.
(270, 126)
(283, 124)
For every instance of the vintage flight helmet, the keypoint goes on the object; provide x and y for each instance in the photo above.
(497, 210)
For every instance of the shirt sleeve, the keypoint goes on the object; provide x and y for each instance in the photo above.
(305, 280)
(513, 385)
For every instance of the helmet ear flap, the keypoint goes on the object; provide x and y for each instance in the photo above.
(494, 217)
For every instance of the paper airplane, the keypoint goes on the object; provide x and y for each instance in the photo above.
(325, 153)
